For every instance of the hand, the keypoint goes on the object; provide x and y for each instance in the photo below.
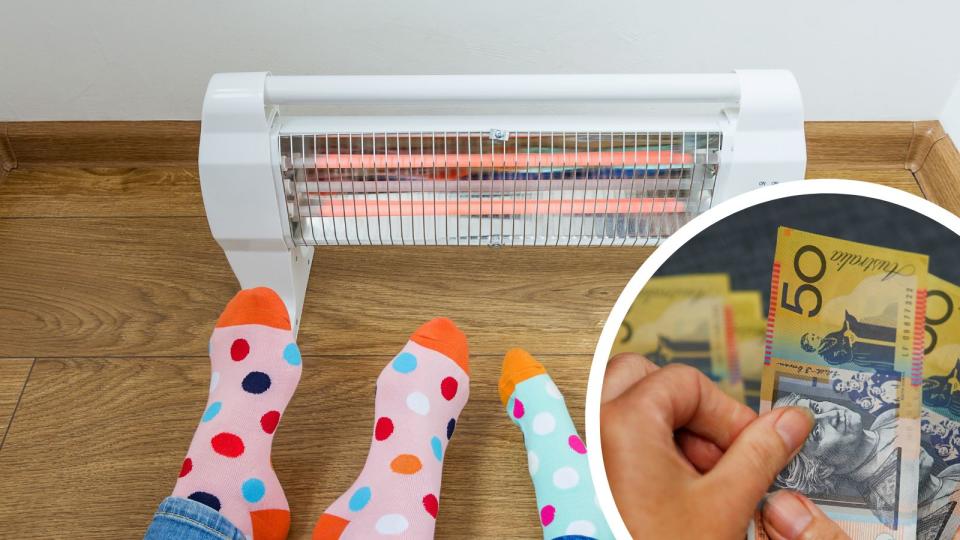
(685, 460)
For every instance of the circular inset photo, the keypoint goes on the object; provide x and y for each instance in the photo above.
(787, 365)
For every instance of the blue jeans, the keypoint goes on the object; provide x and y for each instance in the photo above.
(183, 519)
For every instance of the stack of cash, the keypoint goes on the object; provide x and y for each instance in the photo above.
(862, 336)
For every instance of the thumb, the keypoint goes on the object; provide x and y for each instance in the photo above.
(788, 515)
(760, 451)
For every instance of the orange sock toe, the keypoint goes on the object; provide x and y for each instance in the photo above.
(256, 306)
(518, 366)
(443, 336)
(329, 527)
(270, 524)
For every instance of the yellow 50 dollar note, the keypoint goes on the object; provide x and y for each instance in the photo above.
(749, 327)
(685, 320)
(939, 515)
(845, 340)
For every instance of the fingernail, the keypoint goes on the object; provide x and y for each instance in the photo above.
(793, 426)
(786, 514)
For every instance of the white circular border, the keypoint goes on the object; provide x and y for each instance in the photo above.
(667, 249)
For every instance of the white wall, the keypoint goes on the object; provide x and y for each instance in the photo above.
(129, 59)
(950, 117)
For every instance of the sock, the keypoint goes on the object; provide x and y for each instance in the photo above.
(556, 455)
(420, 394)
(255, 370)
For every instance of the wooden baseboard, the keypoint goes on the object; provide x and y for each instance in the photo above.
(8, 160)
(103, 144)
(920, 147)
(867, 145)
(938, 172)
(925, 136)
(176, 142)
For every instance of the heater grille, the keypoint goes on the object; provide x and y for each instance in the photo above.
(495, 187)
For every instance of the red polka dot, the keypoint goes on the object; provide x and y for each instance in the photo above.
(547, 514)
(269, 422)
(577, 444)
(448, 387)
(239, 350)
(431, 505)
(383, 429)
(227, 444)
(186, 467)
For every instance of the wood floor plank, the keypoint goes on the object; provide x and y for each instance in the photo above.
(103, 192)
(13, 375)
(97, 443)
(154, 287)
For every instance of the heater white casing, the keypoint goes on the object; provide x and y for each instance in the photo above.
(759, 113)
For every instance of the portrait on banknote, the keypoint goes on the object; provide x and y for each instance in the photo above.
(852, 457)
(939, 474)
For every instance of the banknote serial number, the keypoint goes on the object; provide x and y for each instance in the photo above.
(808, 288)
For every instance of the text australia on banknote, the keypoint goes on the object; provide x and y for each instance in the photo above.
(845, 340)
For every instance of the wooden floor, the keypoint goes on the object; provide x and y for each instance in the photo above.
(109, 286)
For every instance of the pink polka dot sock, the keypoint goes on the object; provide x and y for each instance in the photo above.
(419, 397)
(255, 370)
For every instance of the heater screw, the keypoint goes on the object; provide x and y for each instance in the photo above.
(499, 134)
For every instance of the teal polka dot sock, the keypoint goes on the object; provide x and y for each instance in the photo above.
(556, 455)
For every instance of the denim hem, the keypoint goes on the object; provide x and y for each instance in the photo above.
(185, 519)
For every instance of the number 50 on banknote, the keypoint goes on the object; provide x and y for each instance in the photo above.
(845, 340)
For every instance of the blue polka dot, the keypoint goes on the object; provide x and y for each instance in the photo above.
(405, 362)
(291, 353)
(451, 425)
(437, 448)
(212, 411)
(359, 499)
(253, 490)
(256, 382)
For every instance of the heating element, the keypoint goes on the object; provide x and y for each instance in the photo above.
(276, 185)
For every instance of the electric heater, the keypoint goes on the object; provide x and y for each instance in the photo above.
(479, 160)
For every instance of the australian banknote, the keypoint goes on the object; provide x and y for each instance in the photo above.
(939, 515)
(845, 339)
(749, 325)
(686, 320)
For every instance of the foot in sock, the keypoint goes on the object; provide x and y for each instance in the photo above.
(556, 455)
(255, 370)
(420, 394)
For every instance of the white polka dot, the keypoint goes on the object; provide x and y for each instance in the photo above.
(533, 463)
(565, 478)
(418, 403)
(392, 524)
(581, 528)
(214, 380)
(544, 423)
(552, 390)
